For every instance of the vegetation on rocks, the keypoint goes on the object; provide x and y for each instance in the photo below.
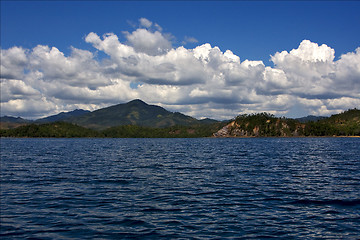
(267, 125)
(261, 124)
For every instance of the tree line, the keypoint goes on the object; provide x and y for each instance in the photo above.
(69, 130)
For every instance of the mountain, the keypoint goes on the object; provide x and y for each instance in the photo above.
(135, 112)
(62, 116)
(310, 118)
(7, 122)
(208, 121)
(14, 119)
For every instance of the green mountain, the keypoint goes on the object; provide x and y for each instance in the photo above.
(62, 116)
(135, 112)
(343, 124)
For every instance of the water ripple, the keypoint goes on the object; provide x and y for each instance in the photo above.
(287, 188)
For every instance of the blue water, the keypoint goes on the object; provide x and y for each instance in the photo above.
(290, 188)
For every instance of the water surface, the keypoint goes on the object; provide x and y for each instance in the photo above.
(290, 188)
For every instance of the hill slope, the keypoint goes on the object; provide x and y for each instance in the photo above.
(261, 125)
(267, 125)
(135, 112)
(343, 124)
(7, 122)
(62, 116)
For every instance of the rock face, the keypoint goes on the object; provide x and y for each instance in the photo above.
(234, 130)
(224, 132)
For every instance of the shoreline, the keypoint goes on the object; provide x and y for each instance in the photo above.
(212, 137)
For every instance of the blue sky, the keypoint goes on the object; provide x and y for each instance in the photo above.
(252, 30)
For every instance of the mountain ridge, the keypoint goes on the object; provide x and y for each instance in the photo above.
(135, 112)
(310, 118)
(62, 116)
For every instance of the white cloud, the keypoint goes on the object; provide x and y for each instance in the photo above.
(342, 103)
(16, 89)
(309, 51)
(13, 63)
(145, 22)
(29, 108)
(347, 74)
(151, 43)
(202, 82)
(79, 69)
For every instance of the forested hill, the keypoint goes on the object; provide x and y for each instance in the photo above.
(342, 124)
(267, 125)
(69, 130)
(63, 116)
(135, 112)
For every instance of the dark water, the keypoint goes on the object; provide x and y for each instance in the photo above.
(290, 188)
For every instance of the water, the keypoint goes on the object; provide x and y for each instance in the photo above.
(290, 188)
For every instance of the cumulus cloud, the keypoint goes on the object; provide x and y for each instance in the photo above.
(347, 73)
(13, 63)
(151, 43)
(311, 71)
(203, 81)
(16, 89)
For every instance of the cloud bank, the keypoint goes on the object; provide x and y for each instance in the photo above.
(202, 82)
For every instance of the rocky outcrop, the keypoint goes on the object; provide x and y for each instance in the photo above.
(261, 125)
(233, 130)
(223, 132)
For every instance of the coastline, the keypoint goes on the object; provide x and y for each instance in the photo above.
(212, 137)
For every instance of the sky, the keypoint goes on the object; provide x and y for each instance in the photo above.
(206, 59)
